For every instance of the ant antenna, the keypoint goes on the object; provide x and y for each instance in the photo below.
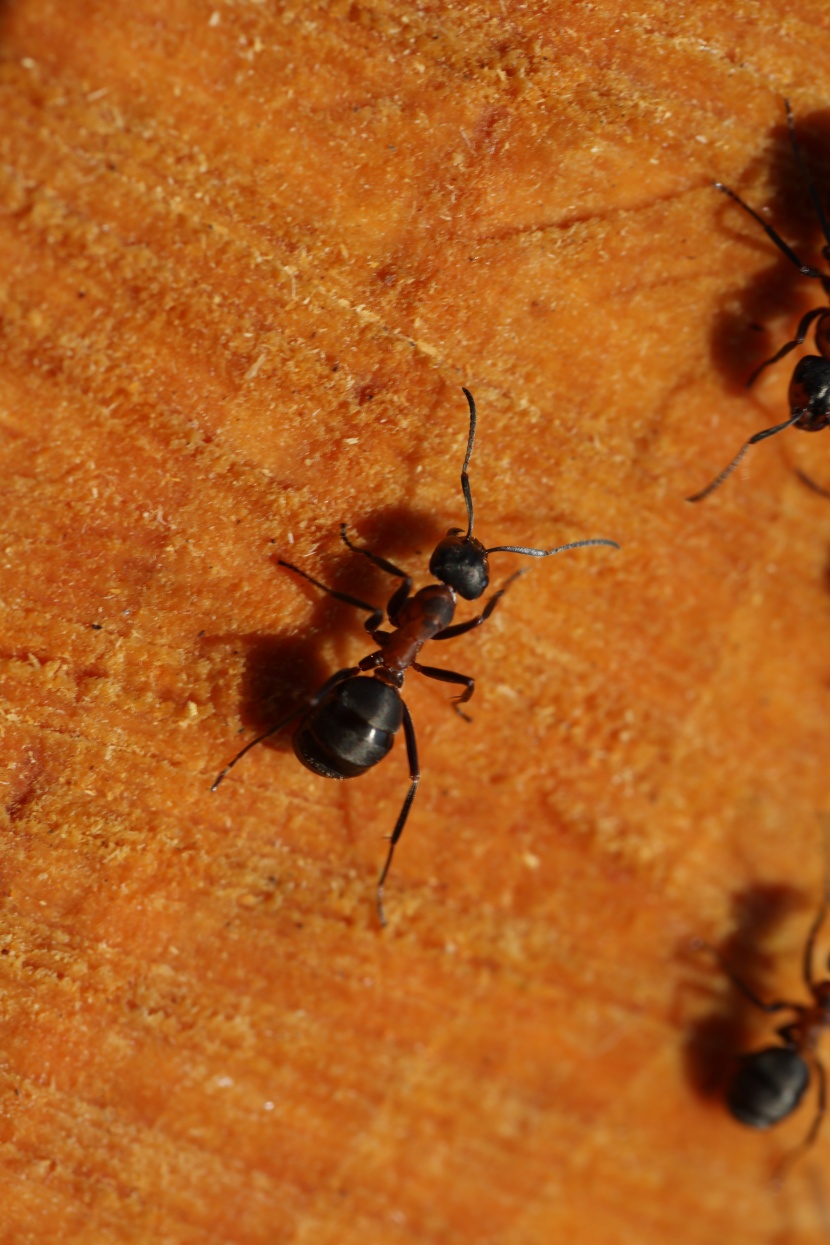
(465, 480)
(548, 553)
(727, 471)
(468, 501)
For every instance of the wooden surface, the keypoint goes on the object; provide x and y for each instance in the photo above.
(249, 253)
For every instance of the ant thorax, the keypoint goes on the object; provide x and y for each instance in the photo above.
(432, 608)
(420, 619)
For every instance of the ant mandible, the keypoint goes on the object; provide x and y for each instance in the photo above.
(769, 1084)
(349, 725)
(809, 392)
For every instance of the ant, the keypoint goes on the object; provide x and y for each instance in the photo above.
(809, 392)
(349, 725)
(769, 1084)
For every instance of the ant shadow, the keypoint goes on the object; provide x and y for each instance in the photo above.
(740, 340)
(398, 533)
(282, 671)
(715, 1041)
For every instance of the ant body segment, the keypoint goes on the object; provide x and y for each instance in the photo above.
(809, 392)
(349, 725)
(769, 1084)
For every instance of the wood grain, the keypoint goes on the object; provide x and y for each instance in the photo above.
(249, 253)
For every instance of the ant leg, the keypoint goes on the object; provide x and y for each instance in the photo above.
(821, 1106)
(727, 471)
(449, 633)
(779, 1005)
(801, 332)
(400, 594)
(805, 269)
(449, 676)
(383, 563)
(376, 615)
(415, 776)
(310, 703)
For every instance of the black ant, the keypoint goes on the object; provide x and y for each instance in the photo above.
(769, 1084)
(809, 392)
(350, 723)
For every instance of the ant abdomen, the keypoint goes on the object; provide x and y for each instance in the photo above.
(768, 1086)
(352, 730)
(810, 393)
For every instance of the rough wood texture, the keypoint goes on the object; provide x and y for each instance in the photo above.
(249, 252)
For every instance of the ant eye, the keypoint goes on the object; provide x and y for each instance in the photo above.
(461, 562)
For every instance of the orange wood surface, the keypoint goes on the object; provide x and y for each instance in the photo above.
(250, 250)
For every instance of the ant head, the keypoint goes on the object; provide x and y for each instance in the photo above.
(809, 394)
(460, 561)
